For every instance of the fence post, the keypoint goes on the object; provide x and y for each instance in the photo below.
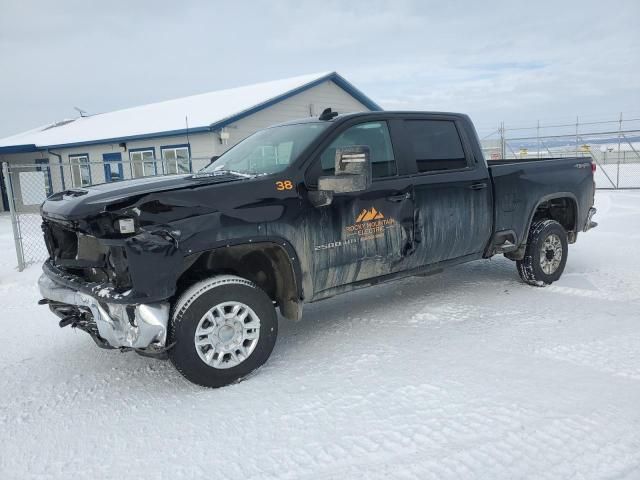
(538, 138)
(502, 142)
(619, 148)
(577, 125)
(17, 238)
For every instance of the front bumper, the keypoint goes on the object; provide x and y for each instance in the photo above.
(138, 326)
(589, 224)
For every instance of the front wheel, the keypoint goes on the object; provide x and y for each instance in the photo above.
(223, 328)
(545, 255)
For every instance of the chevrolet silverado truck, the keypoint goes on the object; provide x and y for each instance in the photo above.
(193, 267)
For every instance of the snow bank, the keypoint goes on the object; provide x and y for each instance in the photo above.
(468, 374)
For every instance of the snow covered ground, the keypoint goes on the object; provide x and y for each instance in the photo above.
(467, 374)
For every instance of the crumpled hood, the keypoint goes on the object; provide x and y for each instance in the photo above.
(77, 203)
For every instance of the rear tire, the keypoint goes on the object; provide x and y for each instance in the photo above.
(546, 254)
(223, 328)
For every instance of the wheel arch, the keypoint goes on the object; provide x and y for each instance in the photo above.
(566, 215)
(271, 263)
(568, 219)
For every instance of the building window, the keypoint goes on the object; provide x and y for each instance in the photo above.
(176, 159)
(143, 162)
(80, 170)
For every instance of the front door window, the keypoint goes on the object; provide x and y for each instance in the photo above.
(376, 136)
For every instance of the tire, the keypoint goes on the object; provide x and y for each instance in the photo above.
(208, 307)
(550, 236)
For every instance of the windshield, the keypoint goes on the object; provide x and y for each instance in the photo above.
(267, 151)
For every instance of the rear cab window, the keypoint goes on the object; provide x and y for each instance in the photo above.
(435, 145)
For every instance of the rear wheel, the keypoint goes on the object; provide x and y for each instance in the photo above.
(223, 328)
(546, 253)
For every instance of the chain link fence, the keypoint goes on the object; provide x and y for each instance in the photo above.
(28, 185)
(613, 144)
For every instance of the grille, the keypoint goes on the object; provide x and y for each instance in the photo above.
(62, 243)
(69, 249)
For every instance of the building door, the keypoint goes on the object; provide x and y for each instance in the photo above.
(112, 167)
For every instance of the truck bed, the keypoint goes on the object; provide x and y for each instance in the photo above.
(520, 185)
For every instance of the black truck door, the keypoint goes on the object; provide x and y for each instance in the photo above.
(452, 191)
(364, 234)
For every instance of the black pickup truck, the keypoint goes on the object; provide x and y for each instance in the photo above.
(192, 267)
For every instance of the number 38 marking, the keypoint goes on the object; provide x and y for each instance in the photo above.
(284, 185)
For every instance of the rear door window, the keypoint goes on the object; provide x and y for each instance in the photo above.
(436, 145)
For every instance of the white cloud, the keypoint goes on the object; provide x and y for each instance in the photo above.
(512, 61)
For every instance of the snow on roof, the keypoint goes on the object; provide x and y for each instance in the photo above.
(202, 111)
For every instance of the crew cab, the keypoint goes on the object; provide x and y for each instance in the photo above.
(193, 267)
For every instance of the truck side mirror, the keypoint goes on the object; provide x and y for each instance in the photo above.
(352, 174)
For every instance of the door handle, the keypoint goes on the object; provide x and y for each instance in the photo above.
(400, 197)
(478, 186)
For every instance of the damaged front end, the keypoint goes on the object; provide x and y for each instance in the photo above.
(116, 288)
(141, 327)
(118, 250)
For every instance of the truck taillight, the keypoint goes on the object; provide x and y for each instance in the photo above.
(593, 167)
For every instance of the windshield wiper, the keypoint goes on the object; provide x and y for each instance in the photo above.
(222, 173)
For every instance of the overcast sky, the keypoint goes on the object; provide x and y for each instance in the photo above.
(512, 61)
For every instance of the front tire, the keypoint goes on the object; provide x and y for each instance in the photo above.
(546, 254)
(223, 328)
